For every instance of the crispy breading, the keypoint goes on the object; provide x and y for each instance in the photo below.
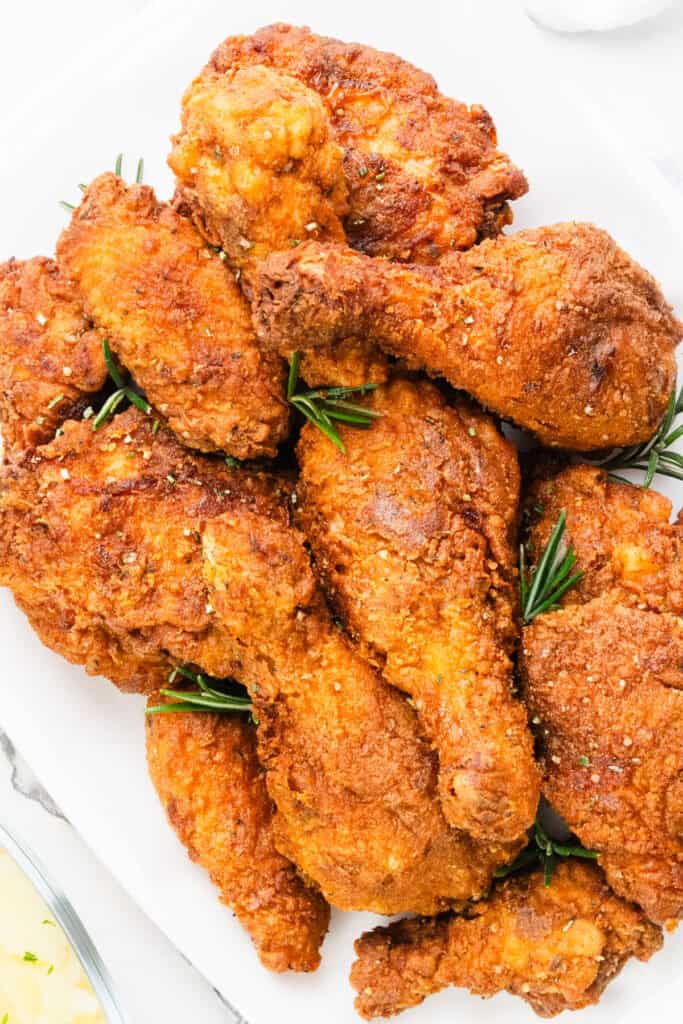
(176, 318)
(603, 677)
(556, 947)
(209, 780)
(51, 360)
(158, 556)
(556, 328)
(413, 530)
(423, 172)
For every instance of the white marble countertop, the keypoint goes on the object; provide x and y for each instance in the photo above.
(636, 76)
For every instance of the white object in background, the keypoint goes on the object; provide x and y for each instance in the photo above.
(592, 15)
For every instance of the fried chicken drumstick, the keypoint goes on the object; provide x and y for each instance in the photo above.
(51, 362)
(556, 329)
(160, 557)
(175, 317)
(209, 780)
(556, 947)
(413, 530)
(603, 677)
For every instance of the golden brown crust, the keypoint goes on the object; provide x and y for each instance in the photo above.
(176, 318)
(603, 678)
(412, 529)
(158, 557)
(208, 778)
(556, 329)
(556, 947)
(51, 359)
(423, 172)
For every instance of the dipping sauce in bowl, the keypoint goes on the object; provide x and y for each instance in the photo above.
(50, 973)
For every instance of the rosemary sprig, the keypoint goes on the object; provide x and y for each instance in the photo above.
(118, 164)
(654, 456)
(322, 406)
(124, 391)
(542, 589)
(204, 698)
(544, 850)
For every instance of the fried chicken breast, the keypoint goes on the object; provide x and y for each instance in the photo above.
(176, 319)
(556, 947)
(423, 172)
(160, 557)
(51, 361)
(603, 678)
(413, 531)
(206, 772)
(556, 329)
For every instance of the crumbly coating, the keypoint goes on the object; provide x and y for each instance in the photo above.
(211, 785)
(423, 172)
(413, 530)
(556, 329)
(603, 678)
(556, 947)
(158, 557)
(176, 318)
(51, 359)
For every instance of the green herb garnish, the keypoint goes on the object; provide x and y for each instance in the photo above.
(322, 406)
(55, 401)
(654, 456)
(30, 958)
(542, 589)
(124, 391)
(204, 698)
(541, 849)
(118, 164)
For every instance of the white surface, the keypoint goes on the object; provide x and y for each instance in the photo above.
(84, 739)
(593, 15)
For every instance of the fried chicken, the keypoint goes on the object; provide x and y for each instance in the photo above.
(51, 359)
(556, 947)
(423, 172)
(556, 329)
(413, 531)
(209, 780)
(176, 319)
(156, 557)
(603, 677)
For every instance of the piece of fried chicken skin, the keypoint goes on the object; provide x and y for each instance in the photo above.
(208, 778)
(258, 171)
(176, 319)
(557, 946)
(603, 678)
(555, 328)
(51, 362)
(423, 172)
(413, 530)
(159, 557)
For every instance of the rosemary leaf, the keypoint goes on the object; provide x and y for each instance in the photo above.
(542, 589)
(324, 406)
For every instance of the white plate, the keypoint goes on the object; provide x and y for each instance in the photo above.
(82, 737)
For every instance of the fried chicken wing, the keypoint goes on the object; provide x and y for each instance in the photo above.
(556, 947)
(413, 531)
(423, 172)
(603, 677)
(176, 319)
(556, 329)
(51, 359)
(160, 557)
(208, 778)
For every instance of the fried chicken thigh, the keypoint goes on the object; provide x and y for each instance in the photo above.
(556, 947)
(51, 360)
(556, 329)
(413, 531)
(209, 780)
(176, 319)
(603, 677)
(160, 557)
(423, 172)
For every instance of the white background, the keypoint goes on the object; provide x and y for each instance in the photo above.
(633, 76)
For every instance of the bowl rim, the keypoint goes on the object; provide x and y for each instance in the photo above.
(68, 920)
